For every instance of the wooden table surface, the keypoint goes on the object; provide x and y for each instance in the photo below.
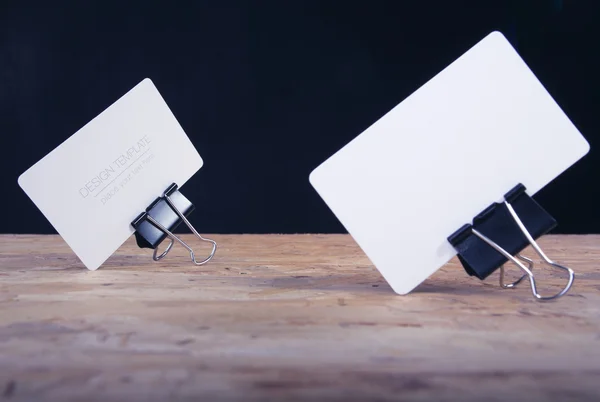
(303, 317)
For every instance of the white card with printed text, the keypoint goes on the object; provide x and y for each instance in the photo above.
(95, 183)
(457, 144)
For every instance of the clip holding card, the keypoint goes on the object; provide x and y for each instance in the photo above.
(513, 225)
(159, 221)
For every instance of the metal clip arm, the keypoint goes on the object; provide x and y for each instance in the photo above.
(527, 269)
(165, 214)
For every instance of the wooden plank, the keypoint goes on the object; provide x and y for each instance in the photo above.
(295, 317)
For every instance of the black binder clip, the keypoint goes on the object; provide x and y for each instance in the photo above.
(159, 221)
(513, 225)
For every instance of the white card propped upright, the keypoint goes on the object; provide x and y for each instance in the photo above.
(95, 183)
(458, 144)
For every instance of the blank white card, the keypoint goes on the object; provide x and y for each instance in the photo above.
(457, 144)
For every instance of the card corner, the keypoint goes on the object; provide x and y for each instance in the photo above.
(147, 81)
(401, 290)
(91, 266)
(312, 176)
(497, 34)
(586, 147)
(200, 161)
(20, 180)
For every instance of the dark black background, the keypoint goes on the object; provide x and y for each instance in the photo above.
(268, 90)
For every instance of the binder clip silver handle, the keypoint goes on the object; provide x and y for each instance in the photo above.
(160, 219)
(527, 269)
(515, 224)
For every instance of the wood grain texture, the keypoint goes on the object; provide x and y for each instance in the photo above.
(302, 317)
